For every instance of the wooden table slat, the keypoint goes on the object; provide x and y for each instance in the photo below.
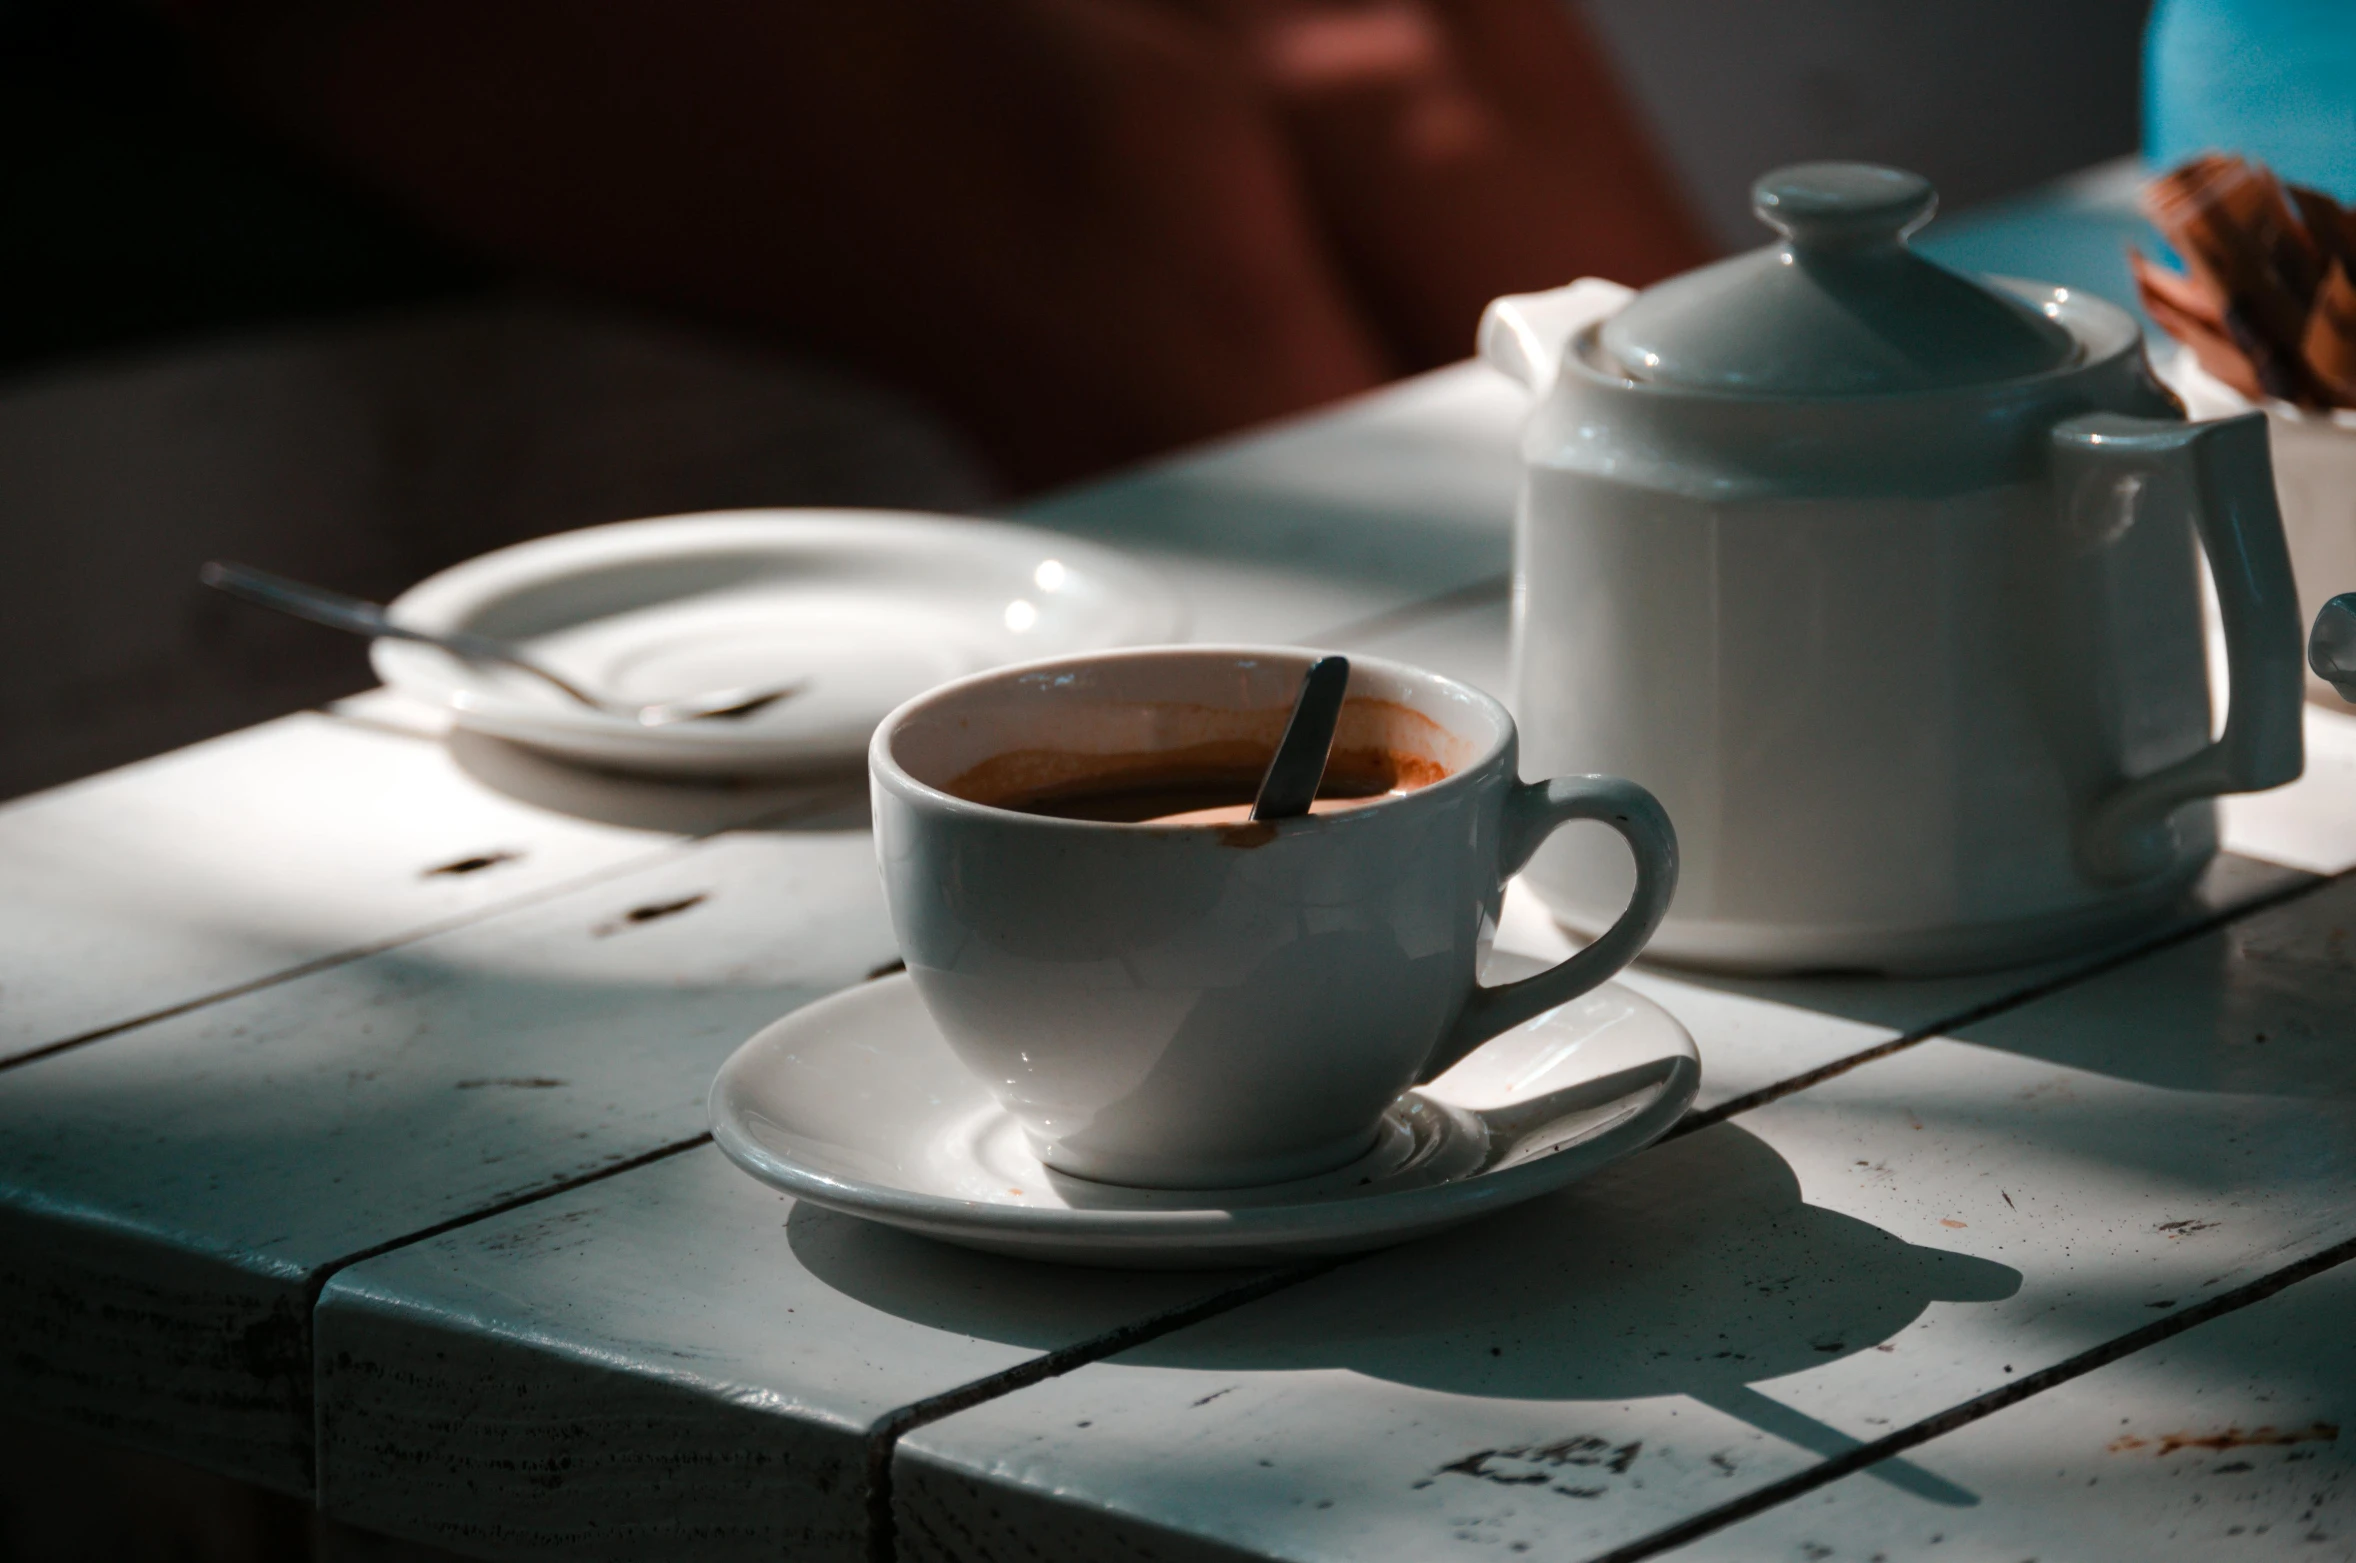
(675, 1361)
(237, 860)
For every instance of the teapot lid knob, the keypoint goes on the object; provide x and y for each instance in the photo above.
(1822, 206)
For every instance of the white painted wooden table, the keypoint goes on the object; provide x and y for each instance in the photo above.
(351, 1142)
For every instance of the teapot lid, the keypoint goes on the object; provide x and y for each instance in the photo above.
(1839, 307)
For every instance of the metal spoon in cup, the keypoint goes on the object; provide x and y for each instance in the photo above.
(337, 611)
(1290, 785)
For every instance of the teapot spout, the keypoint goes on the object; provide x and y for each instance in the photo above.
(1524, 334)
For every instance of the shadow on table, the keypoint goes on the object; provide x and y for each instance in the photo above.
(830, 798)
(2264, 1004)
(1910, 1003)
(1696, 1269)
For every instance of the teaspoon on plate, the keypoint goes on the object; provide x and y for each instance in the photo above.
(337, 611)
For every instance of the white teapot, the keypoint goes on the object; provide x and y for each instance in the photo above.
(1885, 582)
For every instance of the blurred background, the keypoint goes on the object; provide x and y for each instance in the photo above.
(1986, 97)
(355, 291)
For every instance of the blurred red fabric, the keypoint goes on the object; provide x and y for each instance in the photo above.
(1085, 230)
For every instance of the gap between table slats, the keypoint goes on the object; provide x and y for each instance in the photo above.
(490, 909)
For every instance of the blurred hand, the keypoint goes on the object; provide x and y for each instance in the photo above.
(1085, 229)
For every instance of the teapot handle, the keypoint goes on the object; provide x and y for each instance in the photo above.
(2221, 471)
(1523, 334)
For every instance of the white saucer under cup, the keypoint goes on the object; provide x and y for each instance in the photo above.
(865, 608)
(856, 1104)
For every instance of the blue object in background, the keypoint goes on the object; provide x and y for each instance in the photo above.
(2273, 80)
(2075, 232)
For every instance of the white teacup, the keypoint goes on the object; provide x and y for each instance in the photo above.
(1218, 1005)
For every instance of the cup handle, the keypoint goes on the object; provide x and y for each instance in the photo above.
(1534, 811)
(2221, 472)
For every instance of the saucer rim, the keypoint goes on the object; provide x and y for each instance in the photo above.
(1301, 1226)
(443, 599)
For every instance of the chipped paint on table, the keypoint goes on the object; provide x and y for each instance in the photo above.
(606, 1375)
(2236, 1439)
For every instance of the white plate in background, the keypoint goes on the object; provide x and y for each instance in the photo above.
(870, 607)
